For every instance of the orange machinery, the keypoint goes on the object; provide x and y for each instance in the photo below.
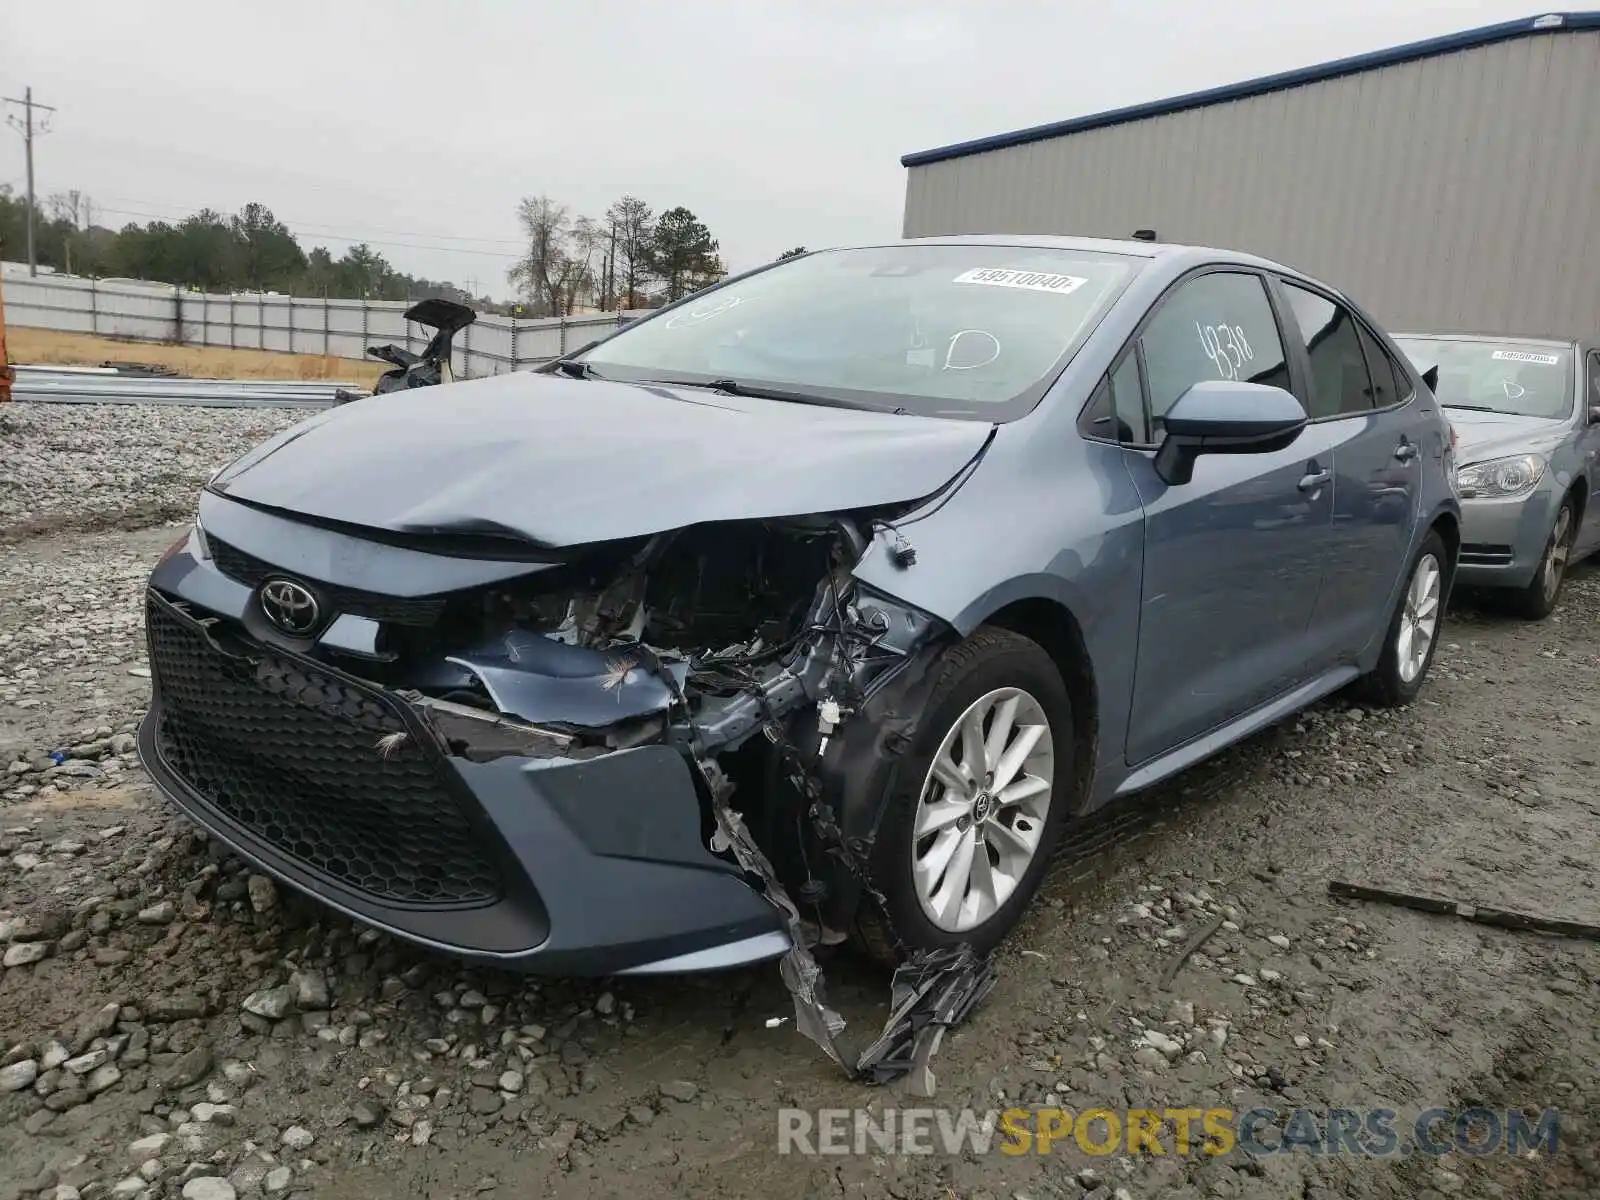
(6, 374)
(5, 364)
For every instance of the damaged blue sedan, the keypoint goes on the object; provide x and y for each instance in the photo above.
(812, 608)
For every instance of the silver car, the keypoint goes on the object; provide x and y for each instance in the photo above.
(1526, 414)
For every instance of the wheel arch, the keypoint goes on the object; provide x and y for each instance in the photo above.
(1052, 625)
(1578, 493)
(1448, 527)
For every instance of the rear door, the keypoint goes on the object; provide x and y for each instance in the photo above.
(1362, 400)
(1233, 559)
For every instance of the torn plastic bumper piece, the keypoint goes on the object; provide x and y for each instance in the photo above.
(539, 680)
(932, 991)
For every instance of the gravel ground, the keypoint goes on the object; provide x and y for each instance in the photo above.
(83, 467)
(172, 1026)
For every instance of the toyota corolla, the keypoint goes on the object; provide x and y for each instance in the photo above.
(813, 607)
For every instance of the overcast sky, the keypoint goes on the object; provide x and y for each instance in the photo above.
(417, 126)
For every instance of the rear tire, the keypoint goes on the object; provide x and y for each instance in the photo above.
(1538, 600)
(1403, 665)
(990, 812)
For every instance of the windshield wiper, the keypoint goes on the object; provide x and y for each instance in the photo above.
(732, 387)
(567, 366)
(1471, 407)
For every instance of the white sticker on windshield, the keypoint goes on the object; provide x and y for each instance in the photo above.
(1526, 356)
(1033, 281)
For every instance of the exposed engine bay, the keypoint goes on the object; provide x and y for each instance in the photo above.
(749, 647)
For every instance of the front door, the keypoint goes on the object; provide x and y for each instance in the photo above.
(1232, 558)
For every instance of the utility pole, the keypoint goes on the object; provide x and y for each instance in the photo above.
(25, 125)
(611, 273)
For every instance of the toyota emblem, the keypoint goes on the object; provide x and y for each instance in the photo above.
(291, 607)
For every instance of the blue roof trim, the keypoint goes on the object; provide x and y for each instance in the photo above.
(1467, 40)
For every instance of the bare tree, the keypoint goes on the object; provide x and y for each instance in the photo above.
(72, 207)
(586, 247)
(632, 224)
(543, 273)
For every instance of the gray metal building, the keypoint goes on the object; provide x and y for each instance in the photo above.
(1446, 184)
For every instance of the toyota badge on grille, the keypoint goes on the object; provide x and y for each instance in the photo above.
(290, 606)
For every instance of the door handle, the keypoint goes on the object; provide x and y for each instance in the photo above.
(1313, 481)
(1405, 451)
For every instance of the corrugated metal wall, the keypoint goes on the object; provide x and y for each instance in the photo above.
(1458, 192)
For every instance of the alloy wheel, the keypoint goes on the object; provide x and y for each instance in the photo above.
(1419, 617)
(982, 810)
(1560, 549)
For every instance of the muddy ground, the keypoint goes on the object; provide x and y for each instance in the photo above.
(170, 1026)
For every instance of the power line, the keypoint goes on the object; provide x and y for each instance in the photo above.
(25, 126)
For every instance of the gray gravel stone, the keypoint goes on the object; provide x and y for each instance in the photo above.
(158, 914)
(149, 1147)
(263, 894)
(297, 1137)
(18, 1075)
(191, 1067)
(25, 954)
(310, 990)
(272, 1004)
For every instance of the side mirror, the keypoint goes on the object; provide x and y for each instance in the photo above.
(1594, 414)
(1219, 417)
(1431, 378)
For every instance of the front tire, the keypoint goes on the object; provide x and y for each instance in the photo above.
(1413, 630)
(981, 800)
(1538, 600)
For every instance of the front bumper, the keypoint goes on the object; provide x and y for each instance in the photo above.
(565, 866)
(1503, 541)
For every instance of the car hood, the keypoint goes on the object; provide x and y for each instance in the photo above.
(1481, 435)
(564, 462)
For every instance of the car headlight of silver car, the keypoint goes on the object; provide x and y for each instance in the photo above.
(1499, 478)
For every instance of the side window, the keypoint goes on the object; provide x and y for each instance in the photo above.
(1116, 410)
(1217, 326)
(1127, 398)
(1340, 385)
(1404, 389)
(1390, 384)
(1594, 380)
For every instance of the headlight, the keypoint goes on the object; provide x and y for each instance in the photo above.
(1501, 477)
(201, 547)
(194, 541)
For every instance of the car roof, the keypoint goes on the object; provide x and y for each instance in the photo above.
(1129, 246)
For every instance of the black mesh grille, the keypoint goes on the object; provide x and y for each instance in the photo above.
(292, 755)
(397, 610)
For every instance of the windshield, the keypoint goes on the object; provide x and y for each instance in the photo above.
(933, 330)
(1504, 377)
